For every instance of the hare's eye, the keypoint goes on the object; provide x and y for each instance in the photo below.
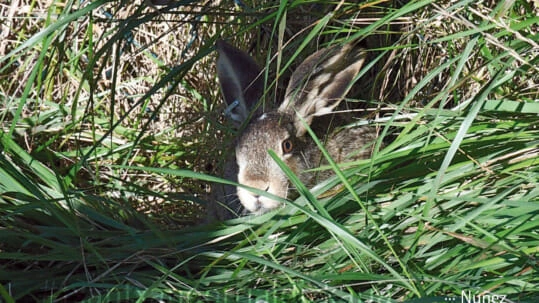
(287, 146)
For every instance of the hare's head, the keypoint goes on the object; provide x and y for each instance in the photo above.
(315, 88)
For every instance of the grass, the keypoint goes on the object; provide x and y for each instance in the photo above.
(112, 134)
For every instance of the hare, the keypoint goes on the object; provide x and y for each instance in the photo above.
(315, 88)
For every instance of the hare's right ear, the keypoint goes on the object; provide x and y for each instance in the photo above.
(320, 82)
(241, 82)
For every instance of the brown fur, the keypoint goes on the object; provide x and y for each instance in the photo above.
(316, 88)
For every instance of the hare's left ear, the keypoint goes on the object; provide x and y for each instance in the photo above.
(240, 79)
(320, 82)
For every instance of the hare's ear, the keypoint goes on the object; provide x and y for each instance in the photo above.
(240, 79)
(319, 84)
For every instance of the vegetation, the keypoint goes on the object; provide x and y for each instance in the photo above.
(112, 133)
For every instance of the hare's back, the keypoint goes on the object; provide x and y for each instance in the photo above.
(350, 144)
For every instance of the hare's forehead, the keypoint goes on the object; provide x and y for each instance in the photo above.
(265, 132)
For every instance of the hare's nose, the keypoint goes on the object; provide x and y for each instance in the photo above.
(257, 196)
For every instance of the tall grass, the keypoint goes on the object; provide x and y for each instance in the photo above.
(112, 131)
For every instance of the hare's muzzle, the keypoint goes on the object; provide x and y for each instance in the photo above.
(256, 204)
